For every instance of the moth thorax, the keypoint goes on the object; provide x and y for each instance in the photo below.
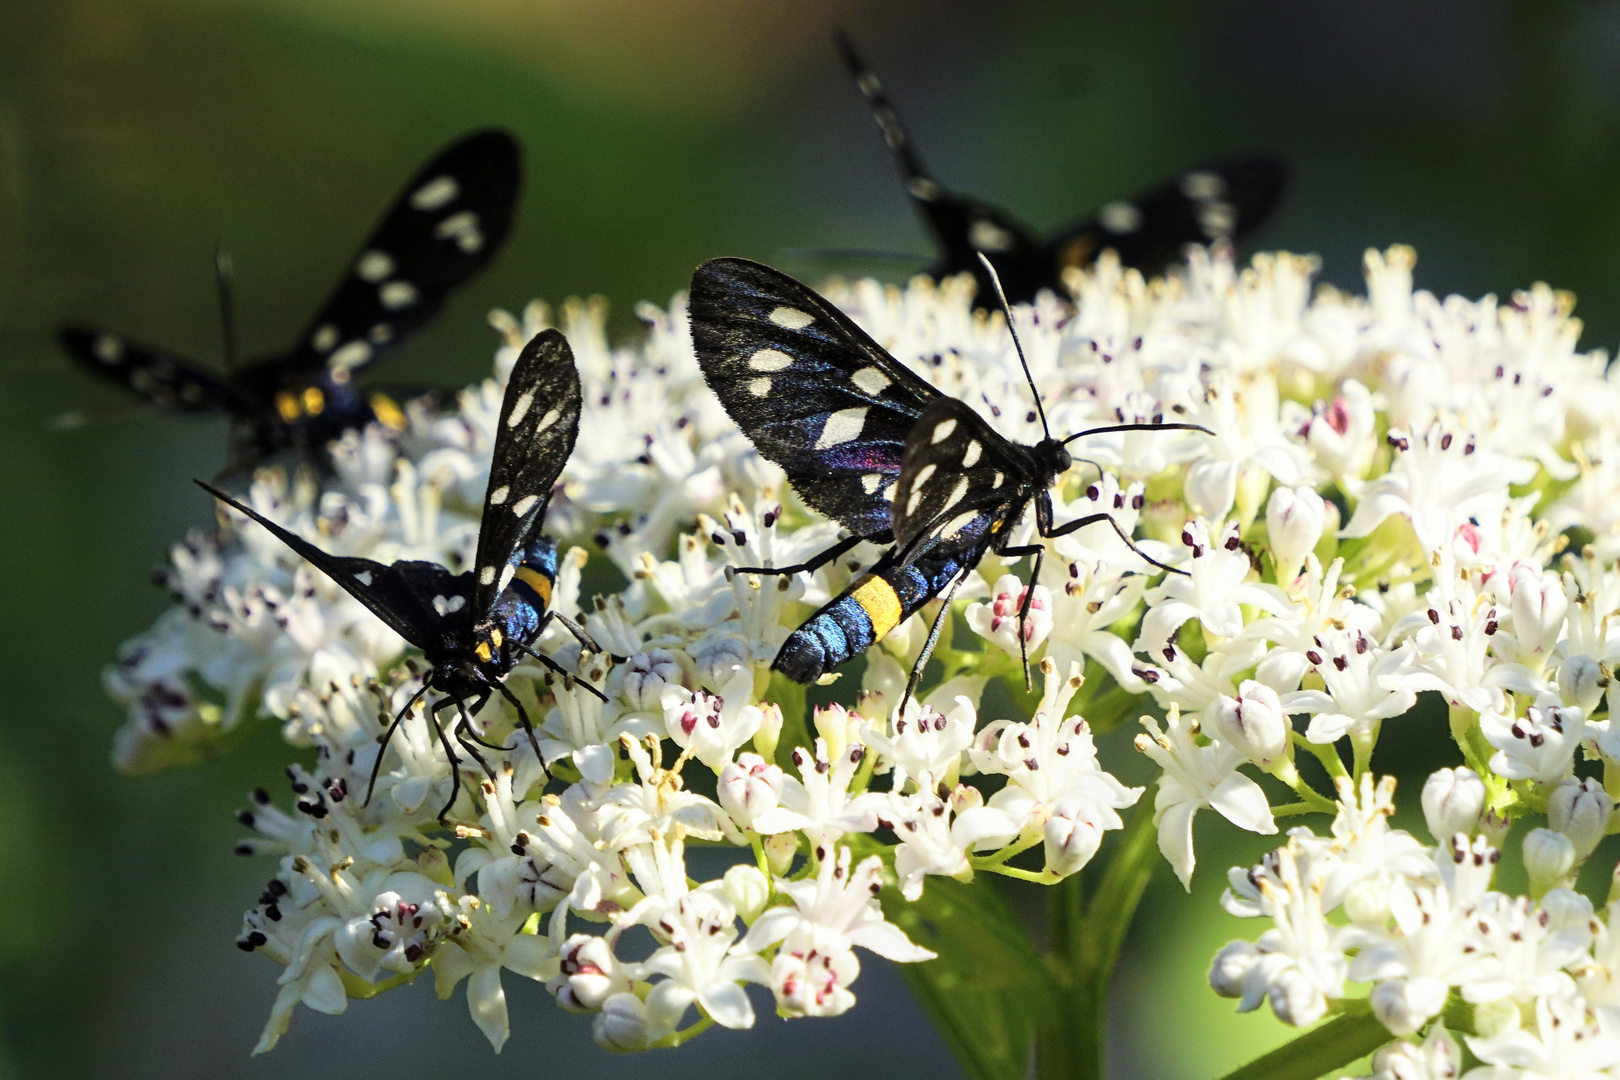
(487, 638)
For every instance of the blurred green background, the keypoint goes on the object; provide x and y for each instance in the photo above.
(135, 133)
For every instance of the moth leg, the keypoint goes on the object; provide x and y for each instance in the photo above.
(1092, 519)
(815, 562)
(461, 727)
(1039, 551)
(388, 737)
(581, 635)
(933, 639)
(552, 665)
(523, 719)
(450, 755)
(469, 733)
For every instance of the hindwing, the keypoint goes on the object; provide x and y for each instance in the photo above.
(809, 388)
(960, 485)
(533, 438)
(445, 226)
(158, 376)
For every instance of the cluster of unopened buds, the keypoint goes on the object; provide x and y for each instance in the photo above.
(1402, 495)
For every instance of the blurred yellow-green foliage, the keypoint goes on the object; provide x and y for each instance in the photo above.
(135, 133)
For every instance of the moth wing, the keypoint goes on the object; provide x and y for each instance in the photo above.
(959, 484)
(156, 375)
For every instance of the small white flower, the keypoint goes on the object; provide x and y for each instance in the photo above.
(1538, 746)
(927, 745)
(1580, 809)
(478, 946)
(1453, 800)
(711, 727)
(1254, 723)
(749, 787)
(1294, 521)
(1567, 1041)
(998, 620)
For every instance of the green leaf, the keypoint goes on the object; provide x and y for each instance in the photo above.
(989, 986)
(1323, 1049)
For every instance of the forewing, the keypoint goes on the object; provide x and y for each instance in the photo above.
(958, 478)
(448, 222)
(814, 393)
(1221, 200)
(538, 425)
(393, 594)
(155, 375)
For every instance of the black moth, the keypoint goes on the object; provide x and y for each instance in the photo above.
(474, 627)
(445, 226)
(1219, 200)
(869, 444)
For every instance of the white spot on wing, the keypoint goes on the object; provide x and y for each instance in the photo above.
(1201, 185)
(841, 427)
(760, 387)
(922, 188)
(363, 577)
(1000, 476)
(449, 605)
(870, 482)
(1217, 219)
(958, 523)
(974, 452)
(888, 493)
(463, 228)
(922, 475)
(108, 348)
(525, 504)
(486, 576)
(942, 430)
(988, 236)
(380, 333)
(435, 193)
(520, 408)
(506, 577)
(956, 495)
(770, 360)
(324, 337)
(499, 495)
(547, 420)
(374, 266)
(397, 294)
(912, 503)
(870, 380)
(791, 318)
(1120, 218)
(351, 355)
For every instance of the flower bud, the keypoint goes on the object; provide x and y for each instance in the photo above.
(1539, 606)
(1439, 1056)
(1494, 828)
(622, 1024)
(1254, 723)
(1548, 858)
(1580, 809)
(583, 980)
(748, 890)
(770, 730)
(1494, 1017)
(1211, 488)
(1405, 1005)
(1231, 967)
(1294, 521)
(1072, 836)
(1367, 902)
(1566, 910)
(1296, 999)
(1453, 799)
(748, 787)
(1581, 683)
(645, 676)
(779, 851)
(998, 620)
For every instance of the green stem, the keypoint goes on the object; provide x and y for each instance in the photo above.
(1326, 754)
(1320, 1051)
(1060, 1047)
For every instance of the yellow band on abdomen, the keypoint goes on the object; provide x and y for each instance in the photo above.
(537, 581)
(881, 604)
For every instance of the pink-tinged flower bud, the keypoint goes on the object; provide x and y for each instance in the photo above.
(584, 974)
(748, 787)
(645, 676)
(1295, 518)
(1539, 606)
(1453, 799)
(1254, 723)
(1580, 809)
(622, 1024)
(1231, 968)
(747, 889)
(998, 620)
(1405, 1005)
(1581, 683)
(1548, 858)
(1439, 1056)
(1073, 836)
(779, 851)
(1211, 488)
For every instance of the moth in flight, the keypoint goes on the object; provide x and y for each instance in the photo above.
(446, 225)
(1219, 200)
(474, 627)
(866, 442)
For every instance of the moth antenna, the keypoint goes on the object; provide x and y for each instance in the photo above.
(1006, 308)
(225, 278)
(1136, 427)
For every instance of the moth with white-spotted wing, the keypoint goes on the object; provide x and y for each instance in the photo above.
(447, 224)
(874, 447)
(474, 627)
(1219, 200)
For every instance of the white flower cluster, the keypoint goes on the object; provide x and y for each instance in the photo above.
(1374, 516)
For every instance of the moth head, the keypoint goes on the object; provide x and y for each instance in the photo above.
(1053, 458)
